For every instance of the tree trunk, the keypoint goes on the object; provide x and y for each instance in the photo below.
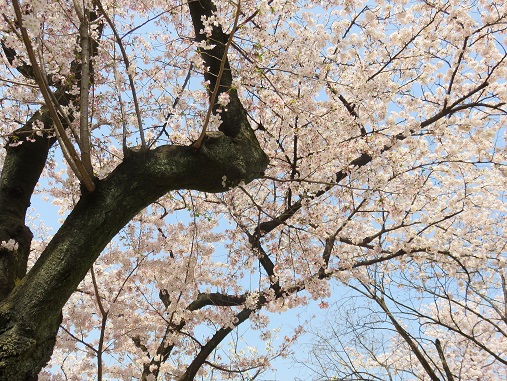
(30, 315)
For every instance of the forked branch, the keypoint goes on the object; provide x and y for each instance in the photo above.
(68, 149)
(214, 95)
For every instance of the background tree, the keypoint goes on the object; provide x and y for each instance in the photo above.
(384, 126)
(440, 329)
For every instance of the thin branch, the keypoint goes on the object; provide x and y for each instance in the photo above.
(126, 61)
(405, 46)
(78, 339)
(440, 351)
(211, 345)
(103, 323)
(84, 131)
(175, 103)
(224, 369)
(17, 83)
(56, 103)
(67, 148)
(406, 336)
(455, 71)
(330, 241)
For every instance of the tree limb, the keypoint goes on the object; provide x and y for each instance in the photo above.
(216, 88)
(67, 148)
(137, 182)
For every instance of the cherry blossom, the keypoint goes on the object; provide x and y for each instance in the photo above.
(216, 162)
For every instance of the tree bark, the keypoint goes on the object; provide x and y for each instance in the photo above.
(30, 315)
(21, 170)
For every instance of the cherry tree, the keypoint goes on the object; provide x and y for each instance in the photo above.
(402, 329)
(217, 160)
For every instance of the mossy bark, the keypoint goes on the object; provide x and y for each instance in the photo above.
(29, 316)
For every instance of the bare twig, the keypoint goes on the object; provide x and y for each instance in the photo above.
(175, 103)
(405, 335)
(126, 61)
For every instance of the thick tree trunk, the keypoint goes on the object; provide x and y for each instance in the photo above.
(29, 316)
